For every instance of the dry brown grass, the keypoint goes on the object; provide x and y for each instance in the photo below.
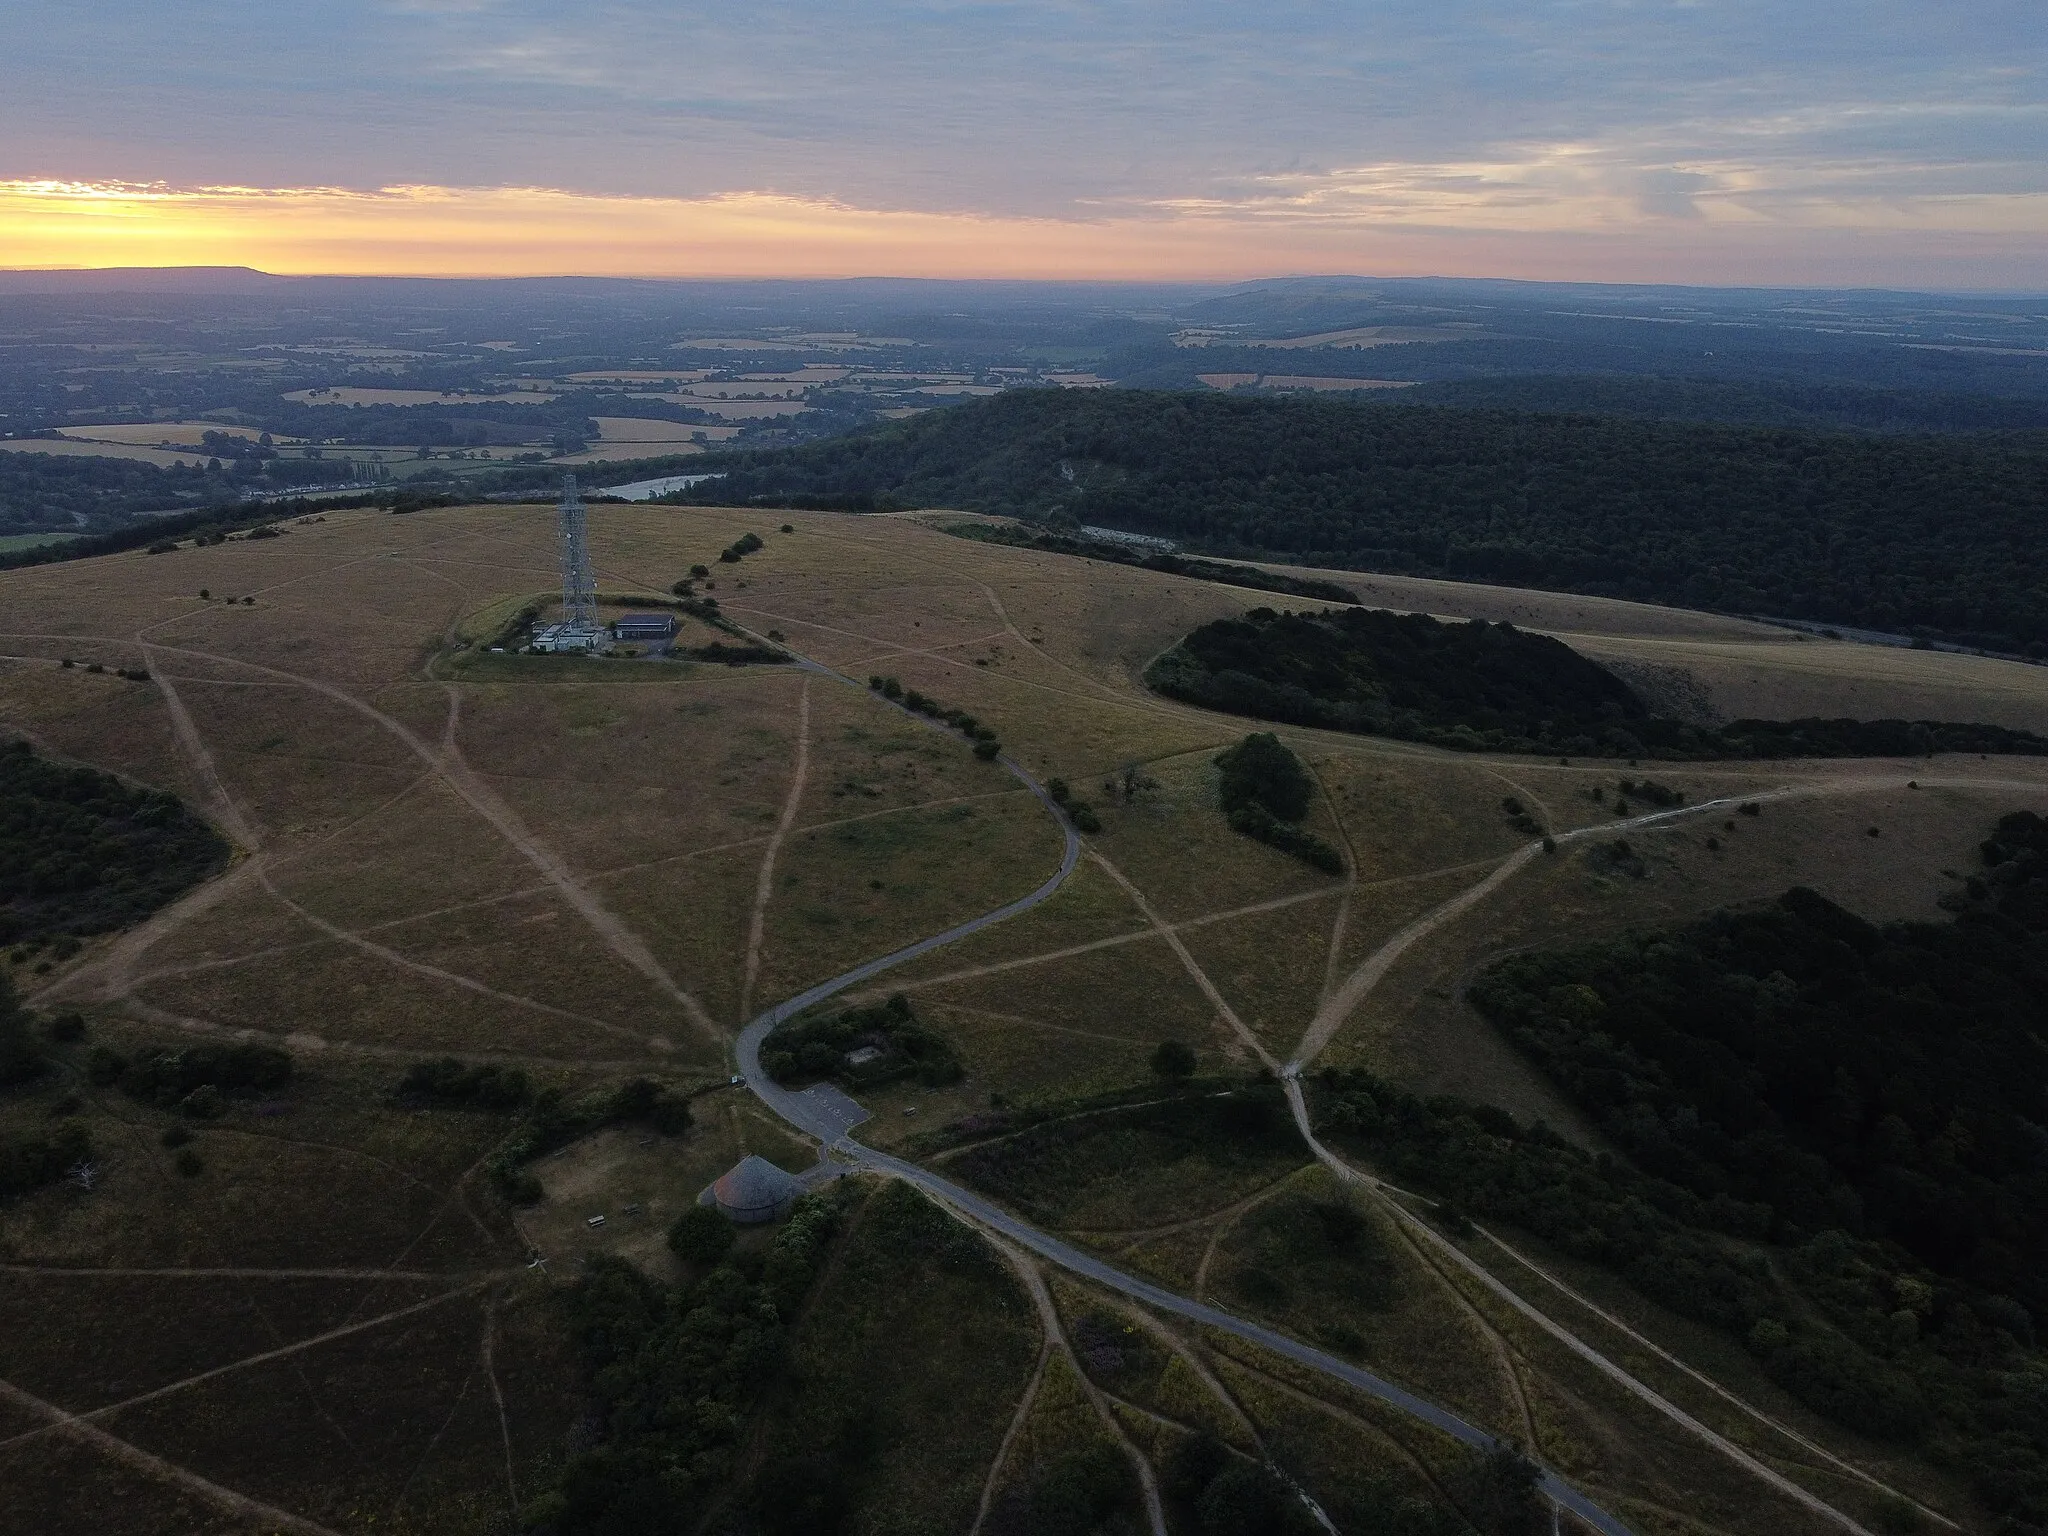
(356, 750)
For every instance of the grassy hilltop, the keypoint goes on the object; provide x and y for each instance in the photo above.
(277, 1154)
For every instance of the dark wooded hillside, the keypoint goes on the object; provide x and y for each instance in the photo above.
(1895, 532)
(1479, 687)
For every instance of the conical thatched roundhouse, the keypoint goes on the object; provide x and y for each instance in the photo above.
(752, 1190)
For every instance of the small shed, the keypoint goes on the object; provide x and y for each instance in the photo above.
(644, 626)
(752, 1190)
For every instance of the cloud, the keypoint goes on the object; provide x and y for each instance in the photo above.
(1642, 114)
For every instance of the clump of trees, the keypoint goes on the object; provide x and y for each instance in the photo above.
(82, 853)
(29, 1163)
(674, 1371)
(1650, 792)
(1480, 687)
(701, 1235)
(553, 1120)
(1173, 1061)
(196, 1080)
(739, 549)
(1265, 790)
(745, 654)
(479, 1085)
(1080, 1491)
(1077, 810)
(818, 1047)
(835, 1427)
(987, 746)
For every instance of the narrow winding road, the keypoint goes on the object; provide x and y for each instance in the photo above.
(813, 1117)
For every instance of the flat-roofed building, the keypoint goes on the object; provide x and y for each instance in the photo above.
(644, 626)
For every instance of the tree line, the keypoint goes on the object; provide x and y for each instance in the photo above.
(1480, 687)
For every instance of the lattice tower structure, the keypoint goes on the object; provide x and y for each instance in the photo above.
(579, 587)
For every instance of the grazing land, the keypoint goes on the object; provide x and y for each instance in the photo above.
(339, 1186)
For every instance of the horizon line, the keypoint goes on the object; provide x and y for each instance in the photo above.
(670, 279)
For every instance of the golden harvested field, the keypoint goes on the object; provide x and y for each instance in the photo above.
(65, 447)
(636, 429)
(594, 869)
(185, 434)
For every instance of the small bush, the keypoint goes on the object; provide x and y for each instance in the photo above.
(174, 1137)
(1173, 1061)
(648, 1101)
(448, 1081)
(187, 1163)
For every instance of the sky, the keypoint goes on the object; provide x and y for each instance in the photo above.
(1851, 142)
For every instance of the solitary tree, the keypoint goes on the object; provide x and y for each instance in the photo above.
(1173, 1061)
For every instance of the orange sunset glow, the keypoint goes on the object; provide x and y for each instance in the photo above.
(1384, 219)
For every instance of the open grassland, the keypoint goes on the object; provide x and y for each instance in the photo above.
(595, 869)
(326, 1315)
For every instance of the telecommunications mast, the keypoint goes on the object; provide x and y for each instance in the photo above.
(579, 587)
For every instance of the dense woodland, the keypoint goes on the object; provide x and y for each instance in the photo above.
(82, 853)
(1836, 1147)
(1896, 532)
(58, 493)
(673, 1372)
(1750, 402)
(1480, 687)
